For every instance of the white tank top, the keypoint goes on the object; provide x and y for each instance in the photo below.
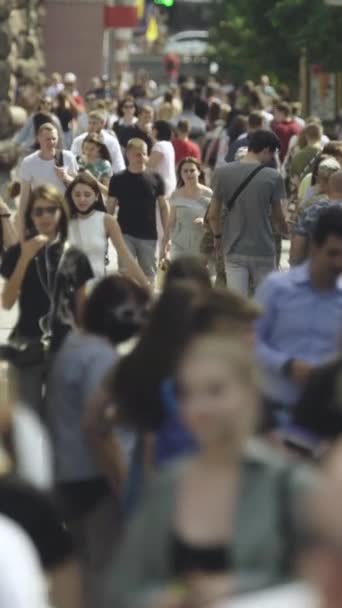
(89, 235)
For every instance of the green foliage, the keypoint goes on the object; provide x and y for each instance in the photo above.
(267, 36)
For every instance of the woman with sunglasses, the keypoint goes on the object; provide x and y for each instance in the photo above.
(91, 227)
(48, 279)
(127, 118)
(189, 204)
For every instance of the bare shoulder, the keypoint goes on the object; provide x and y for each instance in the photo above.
(177, 192)
(206, 191)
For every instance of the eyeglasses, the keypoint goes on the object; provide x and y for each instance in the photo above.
(39, 211)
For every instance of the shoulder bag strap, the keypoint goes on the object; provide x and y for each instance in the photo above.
(242, 186)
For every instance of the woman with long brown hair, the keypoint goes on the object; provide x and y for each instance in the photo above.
(91, 227)
(47, 278)
(189, 204)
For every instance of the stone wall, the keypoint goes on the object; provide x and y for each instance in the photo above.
(21, 68)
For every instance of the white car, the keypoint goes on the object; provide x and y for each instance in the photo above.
(191, 43)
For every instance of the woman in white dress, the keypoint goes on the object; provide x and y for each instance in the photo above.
(90, 228)
(189, 204)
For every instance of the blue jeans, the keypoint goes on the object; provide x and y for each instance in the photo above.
(144, 251)
(244, 271)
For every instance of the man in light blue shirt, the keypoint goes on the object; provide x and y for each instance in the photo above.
(301, 327)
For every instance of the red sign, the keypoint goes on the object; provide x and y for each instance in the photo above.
(120, 16)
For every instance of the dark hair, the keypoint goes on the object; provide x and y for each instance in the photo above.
(168, 96)
(333, 148)
(329, 223)
(184, 310)
(324, 383)
(188, 267)
(116, 309)
(164, 131)
(41, 118)
(96, 139)
(195, 161)
(237, 127)
(61, 99)
(313, 131)
(126, 99)
(255, 120)
(183, 126)
(51, 195)
(214, 112)
(283, 107)
(255, 100)
(188, 99)
(87, 180)
(262, 139)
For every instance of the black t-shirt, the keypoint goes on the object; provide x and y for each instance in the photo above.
(137, 194)
(65, 118)
(38, 283)
(36, 512)
(34, 303)
(126, 132)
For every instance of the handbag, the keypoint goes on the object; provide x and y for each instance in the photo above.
(23, 351)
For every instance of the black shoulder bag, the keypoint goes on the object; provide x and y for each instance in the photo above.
(243, 185)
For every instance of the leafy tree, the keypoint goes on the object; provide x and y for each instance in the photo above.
(256, 36)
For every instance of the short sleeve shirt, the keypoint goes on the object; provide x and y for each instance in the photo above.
(34, 297)
(102, 168)
(247, 227)
(40, 172)
(137, 194)
(308, 218)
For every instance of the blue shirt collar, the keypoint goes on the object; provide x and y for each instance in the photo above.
(301, 274)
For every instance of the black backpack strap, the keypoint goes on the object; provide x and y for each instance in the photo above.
(59, 159)
(242, 186)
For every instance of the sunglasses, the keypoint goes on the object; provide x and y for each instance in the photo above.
(39, 211)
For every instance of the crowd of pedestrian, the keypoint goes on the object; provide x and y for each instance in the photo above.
(170, 394)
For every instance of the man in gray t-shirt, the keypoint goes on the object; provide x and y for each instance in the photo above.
(247, 239)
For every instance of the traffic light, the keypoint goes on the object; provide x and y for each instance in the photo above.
(167, 3)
